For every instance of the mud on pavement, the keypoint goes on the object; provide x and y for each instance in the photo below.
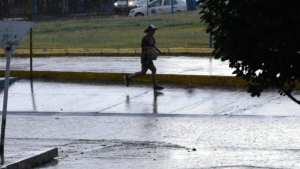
(82, 153)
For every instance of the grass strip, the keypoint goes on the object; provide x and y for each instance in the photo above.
(181, 29)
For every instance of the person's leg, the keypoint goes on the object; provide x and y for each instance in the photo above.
(155, 86)
(153, 70)
(143, 71)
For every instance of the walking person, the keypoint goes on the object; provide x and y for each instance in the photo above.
(148, 43)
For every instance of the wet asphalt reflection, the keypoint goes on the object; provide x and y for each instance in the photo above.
(182, 65)
(42, 97)
(108, 125)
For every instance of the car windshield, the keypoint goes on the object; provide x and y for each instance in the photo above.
(155, 3)
(168, 2)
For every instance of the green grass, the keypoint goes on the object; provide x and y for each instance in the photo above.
(182, 29)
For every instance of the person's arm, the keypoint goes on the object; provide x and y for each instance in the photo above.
(157, 49)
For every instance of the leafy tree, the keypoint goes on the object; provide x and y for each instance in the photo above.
(259, 38)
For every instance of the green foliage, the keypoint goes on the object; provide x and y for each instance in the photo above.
(259, 38)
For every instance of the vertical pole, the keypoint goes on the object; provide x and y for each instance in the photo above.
(210, 40)
(210, 44)
(172, 6)
(147, 8)
(126, 8)
(4, 111)
(34, 9)
(30, 18)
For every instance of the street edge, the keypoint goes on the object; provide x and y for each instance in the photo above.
(109, 52)
(11, 80)
(161, 78)
(32, 161)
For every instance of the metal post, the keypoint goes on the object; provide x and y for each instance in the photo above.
(210, 44)
(9, 43)
(147, 8)
(210, 40)
(30, 18)
(126, 8)
(4, 111)
(172, 6)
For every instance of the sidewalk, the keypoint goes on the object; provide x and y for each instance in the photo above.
(180, 65)
(170, 69)
(109, 52)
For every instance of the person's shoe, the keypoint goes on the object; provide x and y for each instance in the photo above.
(126, 80)
(158, 87)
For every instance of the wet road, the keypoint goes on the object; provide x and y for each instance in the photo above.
(96, 98)
(136, 142)
(105, 125)
(183, 65)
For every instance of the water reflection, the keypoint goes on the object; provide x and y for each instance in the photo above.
(210, 66)
(190, 88)
(1, 90)
(2, 159)
(32, 95)
(154, 104)
(155, 95)
(127, 102)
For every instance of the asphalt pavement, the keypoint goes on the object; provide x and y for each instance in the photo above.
(180, 65)
(104, 124)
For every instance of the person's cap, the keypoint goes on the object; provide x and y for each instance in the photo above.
(150, 28)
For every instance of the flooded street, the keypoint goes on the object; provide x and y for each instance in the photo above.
(96, 98)
(108, 125)
(162, 142)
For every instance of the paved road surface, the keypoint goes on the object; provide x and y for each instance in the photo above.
(182, 65)
(109, 125)
(104, 125)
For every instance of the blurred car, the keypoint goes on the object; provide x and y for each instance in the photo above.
(121, 5)
(159, 6)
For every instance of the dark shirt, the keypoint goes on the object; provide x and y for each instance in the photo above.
(147, 41)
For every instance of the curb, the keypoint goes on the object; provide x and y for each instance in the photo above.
(166, 78)
(109, 52)
(35, 160)
(162, 78)
(11, 80)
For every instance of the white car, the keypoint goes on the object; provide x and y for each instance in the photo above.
(121, 5)
(159, 6)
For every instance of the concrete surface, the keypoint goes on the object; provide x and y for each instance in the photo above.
(180, 65)
(92, 98)
(179, 69)
(108, 125)
(36, 158)
(104, 124)
(11, 80)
